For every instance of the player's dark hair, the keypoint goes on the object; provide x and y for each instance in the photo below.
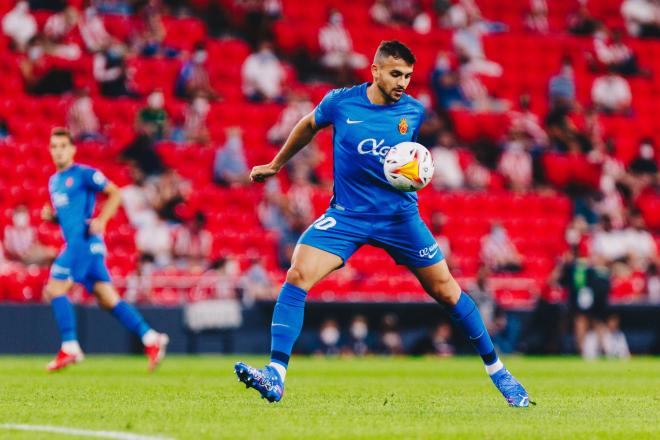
(395, 49)
(61, 131)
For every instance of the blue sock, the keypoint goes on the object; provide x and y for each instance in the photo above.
(466, 315)
(65, 318)
(130, 318)
(287, 323)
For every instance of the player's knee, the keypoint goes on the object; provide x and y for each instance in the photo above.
(296, 277)
(446, 289)
(53, 290)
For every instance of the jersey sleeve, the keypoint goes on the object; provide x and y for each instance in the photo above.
(94, 179)
(326, 112)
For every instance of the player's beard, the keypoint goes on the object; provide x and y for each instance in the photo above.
(388, 96)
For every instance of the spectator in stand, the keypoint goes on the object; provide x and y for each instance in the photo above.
(359, 339)
(301, 209)
(460, 13)
(149, 32)
(170, 191)
(193, 78)
(58, 26)
(121, 7)
(390, 339)
(255, 282)
(138, 283)
(297, 107)
(581, 22)
(614, 54)
(642, 18)
(527, 122)
(329, 338)
(609, 244)
(21, 243)
(561, 88)
(110, 72)
(645, 163)
(337, 48)
(20, 26)
(438, 342)
(230, 165)
(611, 94)
(640, 243)
(155, 240)
(136, 199)
(82, 122)
(515, 163)
(263, 75)
(438, 222)
(482, 293)
(468, 45)
(448, 172)
(536, 19)
(39, 75)
(194, 128)
(93, 31)
(193, 243)
(225, 270)
(142, 153)
(446, 84)
(406, 13)
(152, 120)
(605, 339)
(498, 252)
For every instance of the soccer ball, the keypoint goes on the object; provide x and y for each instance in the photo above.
(408, 166)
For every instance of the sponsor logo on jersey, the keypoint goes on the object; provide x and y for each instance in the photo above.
(60, 199)
(429, 251)
(403, 126)
(373, 147)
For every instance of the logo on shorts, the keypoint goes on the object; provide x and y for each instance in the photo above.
(429, 252)
(403, 126)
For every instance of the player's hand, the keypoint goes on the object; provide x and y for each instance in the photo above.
(97, 226)
(47, 213)
(262, 172)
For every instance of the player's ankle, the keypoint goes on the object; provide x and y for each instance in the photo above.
(495, 367)
(281, 369)
(150, 337)
(71, 347)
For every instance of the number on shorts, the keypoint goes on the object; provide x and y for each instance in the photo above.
(324, 223)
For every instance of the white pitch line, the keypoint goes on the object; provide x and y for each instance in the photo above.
(80, 432)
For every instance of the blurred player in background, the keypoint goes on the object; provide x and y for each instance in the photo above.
(73, 191)
(365, 209)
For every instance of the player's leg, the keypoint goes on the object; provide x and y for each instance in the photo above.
(438, 282)
(323, 248)
(56, 291)
(155, 344)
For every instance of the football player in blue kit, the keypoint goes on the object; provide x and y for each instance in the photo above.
(73, 191)
(367, 121)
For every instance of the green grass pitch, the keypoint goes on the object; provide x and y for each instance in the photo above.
(342, 398)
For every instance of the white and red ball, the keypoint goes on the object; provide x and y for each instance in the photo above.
(408, 166)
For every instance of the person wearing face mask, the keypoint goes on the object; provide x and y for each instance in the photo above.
(193, 78)
(329, 336)
(262, 75)
(152, 120)
(498, 252)
(21, 243)
(81, 119)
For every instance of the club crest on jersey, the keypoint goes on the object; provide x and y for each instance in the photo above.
(403, 126)
(69, 182)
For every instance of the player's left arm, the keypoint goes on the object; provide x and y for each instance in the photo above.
(97, 225)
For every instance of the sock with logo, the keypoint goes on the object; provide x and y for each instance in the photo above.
(466, 315)
(287, 323)
(65, 318)
(130, 318)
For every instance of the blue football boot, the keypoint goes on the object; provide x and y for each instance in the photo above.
(511, 389)
(265, 380)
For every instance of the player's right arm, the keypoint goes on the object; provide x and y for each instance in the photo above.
(301, 135)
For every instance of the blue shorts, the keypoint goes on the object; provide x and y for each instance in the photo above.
(83, 263)
(404, 236)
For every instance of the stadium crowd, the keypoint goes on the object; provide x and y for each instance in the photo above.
(229, 80)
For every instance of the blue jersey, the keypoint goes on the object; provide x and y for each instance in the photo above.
(363, 134)
(73, 195)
